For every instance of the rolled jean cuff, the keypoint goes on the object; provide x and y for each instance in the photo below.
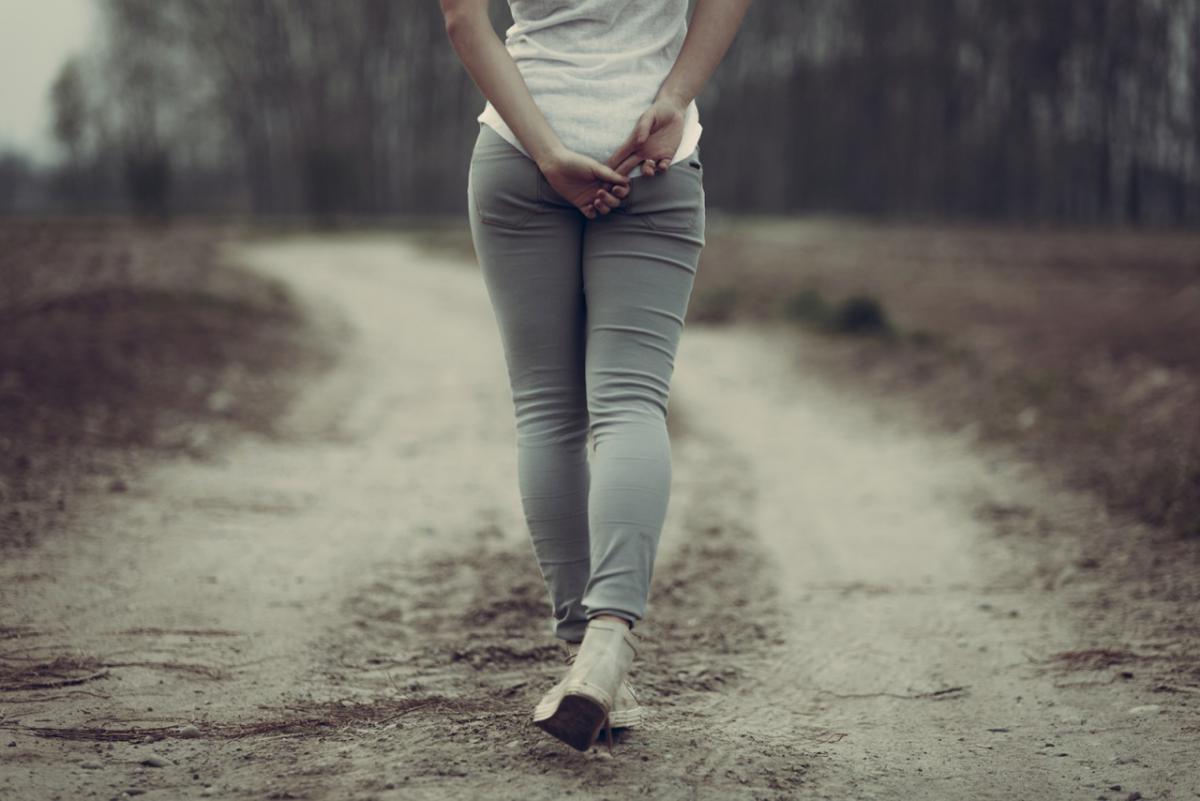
(629, 617)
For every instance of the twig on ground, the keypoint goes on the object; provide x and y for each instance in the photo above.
(909, 696)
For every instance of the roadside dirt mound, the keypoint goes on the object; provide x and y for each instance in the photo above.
(115, 337)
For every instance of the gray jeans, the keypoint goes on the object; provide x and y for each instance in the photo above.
(590, 314)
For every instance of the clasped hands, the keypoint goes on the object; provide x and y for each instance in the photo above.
(596, 188)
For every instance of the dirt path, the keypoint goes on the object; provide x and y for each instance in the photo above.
(313, 616)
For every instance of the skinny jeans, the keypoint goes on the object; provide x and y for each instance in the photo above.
(590, 313)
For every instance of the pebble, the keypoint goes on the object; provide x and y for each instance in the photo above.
(1148, 709)
(155, 761)
(188, 731)
(220, 401)
(91, 765)
(1134, 796)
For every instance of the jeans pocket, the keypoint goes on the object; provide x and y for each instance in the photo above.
(504, 186)
(671, 201)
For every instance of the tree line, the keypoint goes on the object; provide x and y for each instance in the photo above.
(1031, 110)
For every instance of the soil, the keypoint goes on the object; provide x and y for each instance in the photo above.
(847, 603)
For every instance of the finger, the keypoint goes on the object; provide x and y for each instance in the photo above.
(620, 191)
(642, 130)
(608, 200)
(664, 165)
(588, 211)
(648, 167)
(606, 173)
(637, 137)
(627, 148)
(628, 164)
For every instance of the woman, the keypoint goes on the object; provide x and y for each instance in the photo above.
(586, 204)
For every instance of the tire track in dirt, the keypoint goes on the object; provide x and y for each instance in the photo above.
(926, 637)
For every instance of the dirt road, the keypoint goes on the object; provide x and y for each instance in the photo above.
(845, 605)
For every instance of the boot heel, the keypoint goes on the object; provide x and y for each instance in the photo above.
(576, 708)
(577, 721)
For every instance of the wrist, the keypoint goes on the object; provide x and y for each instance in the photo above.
(673, 98)
(550, 156)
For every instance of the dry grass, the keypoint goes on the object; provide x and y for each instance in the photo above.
(35, 674)
(294, 720)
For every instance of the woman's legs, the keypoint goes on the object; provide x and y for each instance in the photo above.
(533, 279)
(590, 315)
(638, 280)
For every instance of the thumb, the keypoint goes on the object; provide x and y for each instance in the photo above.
(637, 137)
(641, 131)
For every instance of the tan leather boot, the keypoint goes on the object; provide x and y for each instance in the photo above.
(582, 703)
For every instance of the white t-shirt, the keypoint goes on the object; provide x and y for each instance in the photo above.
(593, 67)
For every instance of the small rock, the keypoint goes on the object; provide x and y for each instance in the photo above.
(188, 731)
(1114, 787)
(118, 485)
(12, 743)
(220, 401)
(1148, 709)
(155, 761)
(134, 791)
(1065, 576)
(91, 764)
(1134, 796)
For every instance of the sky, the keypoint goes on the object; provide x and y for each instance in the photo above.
(36, 36)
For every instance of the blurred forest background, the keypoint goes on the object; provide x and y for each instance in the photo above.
(1032, 110)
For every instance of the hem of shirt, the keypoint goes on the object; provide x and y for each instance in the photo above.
(691, 133)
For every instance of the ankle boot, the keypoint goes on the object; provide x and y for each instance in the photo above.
(626, 713)
(581, 704)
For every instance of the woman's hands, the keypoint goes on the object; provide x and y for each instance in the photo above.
(596, 188)
(654, 139)
(592, 187)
